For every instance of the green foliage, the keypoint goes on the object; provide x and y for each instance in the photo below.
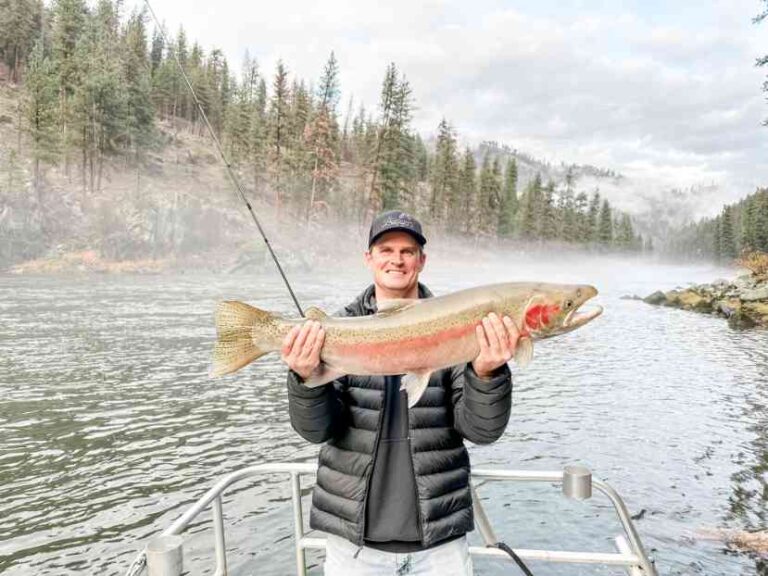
(444, 200)
(20, 22)
(739, 227)
(41, 106)
(509, 202)
(605, 225)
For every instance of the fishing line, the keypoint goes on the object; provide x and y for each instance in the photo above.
(223, 157)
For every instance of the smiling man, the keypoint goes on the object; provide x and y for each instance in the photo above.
(392, 486)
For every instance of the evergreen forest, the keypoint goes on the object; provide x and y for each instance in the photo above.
(92, 93)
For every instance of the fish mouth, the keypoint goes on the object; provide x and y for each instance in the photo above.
(579, 317)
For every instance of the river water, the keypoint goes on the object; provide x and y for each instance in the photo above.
(110, 426)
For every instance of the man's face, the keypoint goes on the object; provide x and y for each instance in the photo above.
(396, 259)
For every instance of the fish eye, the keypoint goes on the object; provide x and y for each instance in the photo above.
(569, 304)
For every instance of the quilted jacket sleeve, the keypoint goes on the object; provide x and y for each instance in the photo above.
(317, 414)
(481, 407)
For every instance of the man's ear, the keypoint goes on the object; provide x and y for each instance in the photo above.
(423, 260)
(367, 258)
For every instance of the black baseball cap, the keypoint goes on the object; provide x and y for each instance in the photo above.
(395, 220)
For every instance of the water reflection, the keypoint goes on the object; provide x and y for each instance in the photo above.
(747, 502)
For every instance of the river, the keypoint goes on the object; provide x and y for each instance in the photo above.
(110, 425)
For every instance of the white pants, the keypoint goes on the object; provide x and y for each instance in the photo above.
(451, 559)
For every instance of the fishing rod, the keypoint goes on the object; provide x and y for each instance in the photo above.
(223, 157)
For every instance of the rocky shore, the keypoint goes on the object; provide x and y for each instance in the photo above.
(743, 301)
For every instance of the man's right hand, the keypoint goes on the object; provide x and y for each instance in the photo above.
(301, 348)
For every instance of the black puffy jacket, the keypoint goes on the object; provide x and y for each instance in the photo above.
(346, 414)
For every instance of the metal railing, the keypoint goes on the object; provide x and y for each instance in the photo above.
(163, 555)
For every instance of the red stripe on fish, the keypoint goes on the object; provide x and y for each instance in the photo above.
(414, 345)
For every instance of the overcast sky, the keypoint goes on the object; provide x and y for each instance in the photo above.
(665, 91)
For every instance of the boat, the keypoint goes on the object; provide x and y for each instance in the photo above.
(164, 554)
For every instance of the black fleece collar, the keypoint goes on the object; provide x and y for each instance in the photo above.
(367, 299)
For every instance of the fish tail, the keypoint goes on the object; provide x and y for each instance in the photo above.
(239, 326)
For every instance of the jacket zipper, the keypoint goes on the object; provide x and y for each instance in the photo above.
(413, 471)
(369, 472)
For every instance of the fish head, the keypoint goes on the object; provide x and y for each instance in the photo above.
(556, 309)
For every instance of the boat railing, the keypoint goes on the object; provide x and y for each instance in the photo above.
(163, 555)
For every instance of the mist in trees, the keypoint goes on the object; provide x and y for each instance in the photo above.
(100, 93)
(739, 227)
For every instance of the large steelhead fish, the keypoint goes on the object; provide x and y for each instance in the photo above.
(410, 337)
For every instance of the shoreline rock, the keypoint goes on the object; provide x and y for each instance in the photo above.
(743, 301)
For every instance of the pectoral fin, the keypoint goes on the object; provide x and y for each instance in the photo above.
(524, 351)
(322, 375)
(415, 384)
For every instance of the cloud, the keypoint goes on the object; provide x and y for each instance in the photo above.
(672, 98)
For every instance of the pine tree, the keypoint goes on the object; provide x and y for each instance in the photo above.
(324, 137)
(761, 221)
(258, 146)
(531, 212)
(384, 138)
(581, 208)
(278, 137)
(68, 18)
(592, 218)
(298, 151)
(99, 104)
(728, 249)
(567, 215)
(467, 186)
(237, 126)
(548, 227)
(445, 174)
(190, 63)
(20, 23)
(748, 230)
(625, 235)
(136, 75)
(605, 225)
(508, 208)
(487, 197)
(40, 107)
(397, 166)
(156, 52)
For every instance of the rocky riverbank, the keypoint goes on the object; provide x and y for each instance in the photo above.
(743, 301)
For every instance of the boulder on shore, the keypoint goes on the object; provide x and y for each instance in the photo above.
(744, 302)
(656, 298)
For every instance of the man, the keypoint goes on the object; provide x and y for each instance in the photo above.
(392, 486)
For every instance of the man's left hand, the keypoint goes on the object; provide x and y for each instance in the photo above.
(498, 340)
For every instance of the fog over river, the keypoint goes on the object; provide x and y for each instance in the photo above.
(110, 425)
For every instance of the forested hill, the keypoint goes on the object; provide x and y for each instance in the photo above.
(103, 148)
(739, 228)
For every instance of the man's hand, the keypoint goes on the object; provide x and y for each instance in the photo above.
(301, 348)
(498, 340)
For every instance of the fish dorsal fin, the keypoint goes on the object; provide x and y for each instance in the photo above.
(314, 313)
(395, 305)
